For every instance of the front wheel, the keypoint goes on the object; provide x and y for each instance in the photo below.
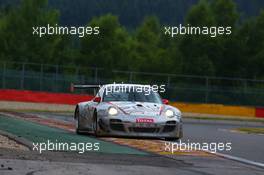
(77, 118)
(181, 133)
(173, 139)
(95, 125)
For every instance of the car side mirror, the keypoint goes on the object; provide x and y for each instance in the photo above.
(97, 99)
(165, 101)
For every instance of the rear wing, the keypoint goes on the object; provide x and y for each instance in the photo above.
(77, 86)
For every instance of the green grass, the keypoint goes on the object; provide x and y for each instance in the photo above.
(251, 130)
(38, 133)
(228, 119)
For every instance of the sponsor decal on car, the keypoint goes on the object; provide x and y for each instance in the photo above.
(144, 120)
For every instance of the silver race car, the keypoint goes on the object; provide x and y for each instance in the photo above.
(128, 112)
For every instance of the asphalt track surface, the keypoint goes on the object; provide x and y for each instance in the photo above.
(116, 158)
(247, 146)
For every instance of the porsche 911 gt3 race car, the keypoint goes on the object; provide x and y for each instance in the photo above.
(128, 113)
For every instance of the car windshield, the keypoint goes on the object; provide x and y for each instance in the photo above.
(135, 95)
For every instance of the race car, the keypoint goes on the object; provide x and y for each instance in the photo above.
(128, 113)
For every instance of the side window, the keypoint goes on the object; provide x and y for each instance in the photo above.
(100, 93)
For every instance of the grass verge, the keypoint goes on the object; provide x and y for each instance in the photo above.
(241, 119)
(251, 130)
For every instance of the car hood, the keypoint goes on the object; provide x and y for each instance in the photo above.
(139, 108)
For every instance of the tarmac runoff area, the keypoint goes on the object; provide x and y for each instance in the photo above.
(115, 156)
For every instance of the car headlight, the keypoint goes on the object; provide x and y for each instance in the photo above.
(112, 111)
(169, 113)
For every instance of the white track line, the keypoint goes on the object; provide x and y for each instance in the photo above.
(234, 158)
(238, 159)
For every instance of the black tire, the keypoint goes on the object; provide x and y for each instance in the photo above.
(77, 127)
(95, 125)
(172, 139)
(181, 133)
(175, 138)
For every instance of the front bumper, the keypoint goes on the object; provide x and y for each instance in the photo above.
(120, 127)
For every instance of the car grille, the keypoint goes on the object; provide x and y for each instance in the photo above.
(144, 130)
(170, 126)
(116, 125)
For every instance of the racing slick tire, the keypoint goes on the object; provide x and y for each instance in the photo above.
(77, 127)
(175, 138)
(172, 139)
(95, 125)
